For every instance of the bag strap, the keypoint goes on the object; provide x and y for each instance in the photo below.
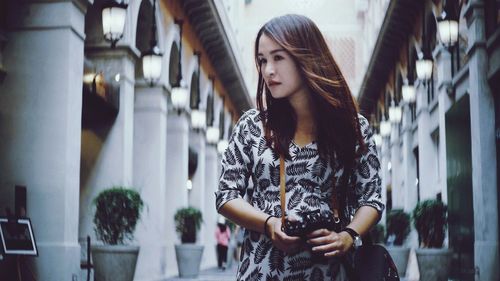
(335, 205)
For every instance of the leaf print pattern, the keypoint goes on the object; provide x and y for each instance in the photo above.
(274, 173)
(317, 274)
(373, 161)
(305, 154)
(230, 157)
(254, 129)
(262, 146)
(294, 200)
(313, 201)
(244, 266)
(264, 184)
(276, 262)
(256, 275)
(298, 264)
(239, 156)
(318, 170)
(259, 169)
(309, 185)
(297, 169)
(270, 277)
(262, 250)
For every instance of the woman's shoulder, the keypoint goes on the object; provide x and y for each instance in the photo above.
(252, 115)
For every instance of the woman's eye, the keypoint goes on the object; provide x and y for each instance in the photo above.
(278, 57)
(261, 61)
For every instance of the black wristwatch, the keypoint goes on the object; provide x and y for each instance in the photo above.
(357, 242)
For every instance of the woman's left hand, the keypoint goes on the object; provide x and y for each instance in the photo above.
(329, 242)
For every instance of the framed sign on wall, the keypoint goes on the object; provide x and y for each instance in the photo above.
(17, 237)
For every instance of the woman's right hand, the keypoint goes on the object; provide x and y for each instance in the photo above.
(288, 244)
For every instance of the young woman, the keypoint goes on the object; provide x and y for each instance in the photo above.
(307, 114)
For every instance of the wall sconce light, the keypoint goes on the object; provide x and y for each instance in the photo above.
(198, 119)
(409, 93)
(395, 113)
(424, 66)
(385, 128)
(113, 20)
(377, 138)
(222, 146)
(448, 30)
(152, 58)
(213, 135)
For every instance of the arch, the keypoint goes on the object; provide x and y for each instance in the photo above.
(429, 36)
(411, 73)
(173, 65)
(143, 26)
(194, 91)
(210, 109)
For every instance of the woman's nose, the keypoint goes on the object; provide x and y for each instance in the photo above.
(269, 70)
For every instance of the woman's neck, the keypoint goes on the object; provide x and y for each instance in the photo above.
(303, 106)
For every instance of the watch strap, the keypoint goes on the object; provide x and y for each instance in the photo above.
(352, 232)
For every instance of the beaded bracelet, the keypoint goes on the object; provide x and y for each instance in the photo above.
(265, 225)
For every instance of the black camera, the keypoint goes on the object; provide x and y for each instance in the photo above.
(310, 222)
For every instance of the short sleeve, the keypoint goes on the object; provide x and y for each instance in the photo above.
(236, 163)
(368, 184)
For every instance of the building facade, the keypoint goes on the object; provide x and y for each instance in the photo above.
(446, 144)
(77, 116)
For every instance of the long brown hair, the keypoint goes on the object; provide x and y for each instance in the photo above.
(335, 110)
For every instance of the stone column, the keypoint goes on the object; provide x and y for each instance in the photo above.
(177, 176)
(426, 161)
(385, 158)
(197, 194)
(209, 213)
(484, 170)
(40, 129)
(443, 61)
(150, 145)
(107, 152)
(396, 169)
(409, 171)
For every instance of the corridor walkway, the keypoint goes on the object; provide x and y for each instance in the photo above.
(212, 274)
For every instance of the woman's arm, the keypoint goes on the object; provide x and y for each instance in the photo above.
(242, 213)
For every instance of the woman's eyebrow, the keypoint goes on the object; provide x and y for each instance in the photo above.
(272, 52)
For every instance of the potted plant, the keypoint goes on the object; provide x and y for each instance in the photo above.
(187, 223)
(398, 228)
(430, 220)
(117, 211)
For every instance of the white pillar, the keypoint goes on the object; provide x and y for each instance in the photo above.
(107, 152)
(197, 194)
(209, 213)
(150, 145)
(396, 169)
(177, 176)
(385, 155)
(40, 125)
(426, 160)
(484, 164)
(409, 168)
(443, 61)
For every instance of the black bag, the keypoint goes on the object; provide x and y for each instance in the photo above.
(371, 262)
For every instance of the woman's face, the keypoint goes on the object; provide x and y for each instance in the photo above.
(279, 70)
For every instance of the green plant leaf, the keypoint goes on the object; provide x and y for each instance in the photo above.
(116, 215)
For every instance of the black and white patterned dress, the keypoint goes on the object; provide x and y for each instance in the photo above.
(308, 187)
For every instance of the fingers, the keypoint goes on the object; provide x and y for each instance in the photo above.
(319, 232)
